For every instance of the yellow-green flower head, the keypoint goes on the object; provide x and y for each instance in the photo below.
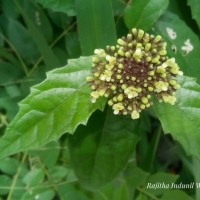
(132, 71)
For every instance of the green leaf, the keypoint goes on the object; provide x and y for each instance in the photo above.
(9, 166)
(61, 20)
(72, 44)
(17, 194)
(48, 55)
(69, 191)
(176, 194)
(141, 197)
(10, 106)
(57, 173)
(116, 190)
(57, 105)
(40, 194)
(47, 194)
(9, 10)
(9, 73)
(97, 30)
(8, 55)
(118, 7)
(182, 120)
(195, 8)
(102, 149)
(39, 19)
(5, 181)
(178, 37)
(135, 176)
(48, 154)
(34, 177)
(13, 91)
(21, 38)
(66, 6)
(143, 14)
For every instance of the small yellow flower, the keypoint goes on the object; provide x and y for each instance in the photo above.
(138, 54)
(161, 69)
(145, 100)
(161, 86)
(111, 59)
(169, 99)
(100, 52)
(94, 96)
(131, 92)
(117, 107)
(106, 75)
(120, 97)
(135, 115)
(121, 42)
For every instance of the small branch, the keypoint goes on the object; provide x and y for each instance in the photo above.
(16, 177)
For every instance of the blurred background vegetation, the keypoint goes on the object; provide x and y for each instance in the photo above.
(39, 35)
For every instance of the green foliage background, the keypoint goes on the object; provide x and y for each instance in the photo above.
(56, 144)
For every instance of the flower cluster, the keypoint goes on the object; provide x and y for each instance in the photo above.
(132, 71)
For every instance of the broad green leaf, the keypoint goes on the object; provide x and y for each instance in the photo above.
(56, 106)
(34, 177)
(65, 6)
(102, 149)
(98, 29)
(176, 194)
(49, 57)
(183, 44)
(182, 120)
(195, 8)
(143, 14)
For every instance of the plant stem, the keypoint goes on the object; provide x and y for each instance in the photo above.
(51, 45)
(17, 54)
(16, 177)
